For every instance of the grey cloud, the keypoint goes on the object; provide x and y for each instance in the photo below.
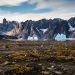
(61, 5)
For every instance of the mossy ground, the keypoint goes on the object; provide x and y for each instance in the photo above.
(37, 57)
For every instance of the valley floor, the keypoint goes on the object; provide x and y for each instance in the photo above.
(37, 58)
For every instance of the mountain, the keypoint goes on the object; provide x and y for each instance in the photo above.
(39, 30)
(7, 37)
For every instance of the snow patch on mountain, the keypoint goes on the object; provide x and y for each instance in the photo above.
(60, 37)
(71, 28)
(44, 30)
(34, 37)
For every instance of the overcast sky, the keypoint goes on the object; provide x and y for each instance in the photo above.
(22, 10)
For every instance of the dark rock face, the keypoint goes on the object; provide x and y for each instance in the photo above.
(53, 27)
(58, 26)
(61, 27)
(8, 26)
(7, 37)
(31, 28)
(71, 21)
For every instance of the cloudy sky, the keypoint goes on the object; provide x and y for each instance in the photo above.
(22, 10)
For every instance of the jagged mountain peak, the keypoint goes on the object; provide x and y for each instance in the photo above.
(42, 29)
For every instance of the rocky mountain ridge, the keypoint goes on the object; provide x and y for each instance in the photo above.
(39, 30)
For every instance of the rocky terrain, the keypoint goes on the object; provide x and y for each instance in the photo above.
(37, 58)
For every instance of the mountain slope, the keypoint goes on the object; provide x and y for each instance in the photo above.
(41, 29)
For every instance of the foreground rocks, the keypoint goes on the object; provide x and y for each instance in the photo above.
(37, 58)
(38, 68)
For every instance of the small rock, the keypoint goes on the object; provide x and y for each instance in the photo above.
(49, 68)
(58, 72)
(45, 72)
(6, 63)
(39, 64)
(25, 55)
(13, 62)
(52, 66)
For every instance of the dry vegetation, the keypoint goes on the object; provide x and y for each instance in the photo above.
(37, 58)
